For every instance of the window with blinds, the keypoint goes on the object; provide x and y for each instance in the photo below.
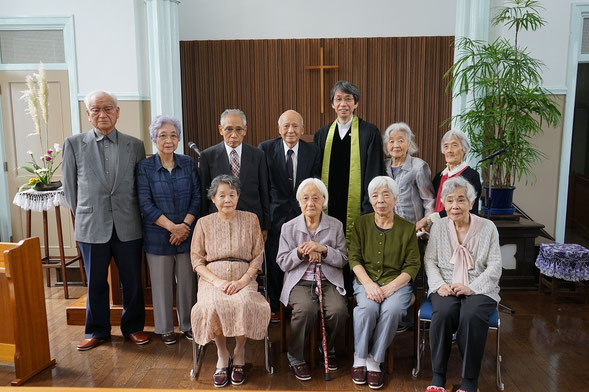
(31, 46)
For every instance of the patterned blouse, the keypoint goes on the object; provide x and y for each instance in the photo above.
(217, 239)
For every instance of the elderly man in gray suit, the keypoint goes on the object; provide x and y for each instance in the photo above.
(99, 185)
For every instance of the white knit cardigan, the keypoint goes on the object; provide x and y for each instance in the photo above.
(483, 278)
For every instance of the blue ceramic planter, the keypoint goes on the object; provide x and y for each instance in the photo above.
(502, 201)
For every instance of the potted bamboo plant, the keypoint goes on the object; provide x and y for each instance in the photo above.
(507, 106)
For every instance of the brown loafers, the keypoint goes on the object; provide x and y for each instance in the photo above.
(89, 344)
(302, 371)
(375, 380)
(221, 376)
(138, 337)
(359, 375)
(237, 375)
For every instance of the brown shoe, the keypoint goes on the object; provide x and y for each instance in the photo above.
(237, 375)
(169, 338)
(221, 376)
(375, 380)
(275, 318)
(138, 337)
(89, 344)
(359, 375)
(331, 360)
(302, 371)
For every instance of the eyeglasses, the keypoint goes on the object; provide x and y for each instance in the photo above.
(229, 131)
(343, 99)
(95, 111)
(172, 137)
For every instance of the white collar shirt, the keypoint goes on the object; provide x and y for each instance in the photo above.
(237, 149)
(295, 159)
(344, 128)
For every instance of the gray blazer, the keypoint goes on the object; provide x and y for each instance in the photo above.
(95, 206)
(329, 233)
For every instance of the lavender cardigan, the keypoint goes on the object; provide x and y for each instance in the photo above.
(329, 233)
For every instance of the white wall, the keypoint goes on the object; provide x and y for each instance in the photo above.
(108, 48)
(550, 43)
(273, 19)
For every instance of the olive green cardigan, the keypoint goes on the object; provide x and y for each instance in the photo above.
(384, 255)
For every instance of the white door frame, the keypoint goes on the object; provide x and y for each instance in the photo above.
(579, 11)
(66, 24)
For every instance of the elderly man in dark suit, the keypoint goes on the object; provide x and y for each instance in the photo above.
(290, 161)
(233, 156)
(99, 185)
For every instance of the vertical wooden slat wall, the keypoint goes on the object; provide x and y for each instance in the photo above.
(400, 79)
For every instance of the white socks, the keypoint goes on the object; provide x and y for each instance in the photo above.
(372, 365)
(359, 362)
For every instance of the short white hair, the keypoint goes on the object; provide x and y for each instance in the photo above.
(457, 182)
(319, 184)
(460, 136)
(400, 126)
(380, 181)
(234, 112)
(94, 93)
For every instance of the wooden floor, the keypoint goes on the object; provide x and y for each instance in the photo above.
(545, 347)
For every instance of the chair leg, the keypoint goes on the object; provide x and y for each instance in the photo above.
(282, 329)
(500, 384)
(267, 353)
(419, 346)
(197, 358)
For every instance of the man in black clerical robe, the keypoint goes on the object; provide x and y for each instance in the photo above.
(352, 155)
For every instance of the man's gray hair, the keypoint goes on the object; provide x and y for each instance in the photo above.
(228, 112)
(460, 136)
(228, 179)
(290, 110)
(345, 87)
(319, 184)
(159, 122)
(458, 182)
(400, 126)
(91, 94)
(380, 181)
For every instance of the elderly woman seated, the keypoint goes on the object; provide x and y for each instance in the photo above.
(385, 258)
(227, 253)
(312, 237)
(463, 266)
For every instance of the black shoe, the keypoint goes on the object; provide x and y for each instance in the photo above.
(188, 335)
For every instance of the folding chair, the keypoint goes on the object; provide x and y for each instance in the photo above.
(424, 316)
(198, 351)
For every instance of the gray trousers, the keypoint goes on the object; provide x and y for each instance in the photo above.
(163, 269)
(305, 307)
(377, 323)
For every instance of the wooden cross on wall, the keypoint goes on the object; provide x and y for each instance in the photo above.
(321, 67)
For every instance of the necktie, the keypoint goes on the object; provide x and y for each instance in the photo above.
(234, 163)
(290, 166)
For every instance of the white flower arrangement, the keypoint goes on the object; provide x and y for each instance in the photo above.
(37, 96)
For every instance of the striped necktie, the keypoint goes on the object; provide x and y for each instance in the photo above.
(234, 163)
